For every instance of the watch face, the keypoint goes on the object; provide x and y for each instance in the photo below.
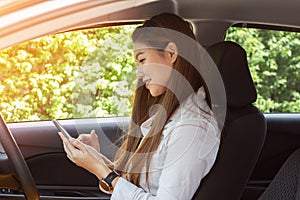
(105, 187)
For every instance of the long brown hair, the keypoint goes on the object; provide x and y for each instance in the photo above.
(133, 154)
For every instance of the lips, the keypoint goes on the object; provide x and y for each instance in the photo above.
(146, 80)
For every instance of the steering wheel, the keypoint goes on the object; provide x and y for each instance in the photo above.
(15, 156)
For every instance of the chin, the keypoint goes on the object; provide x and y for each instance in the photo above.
(156, 93)
(156, 90)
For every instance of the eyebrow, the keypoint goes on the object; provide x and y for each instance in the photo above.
(137, 55)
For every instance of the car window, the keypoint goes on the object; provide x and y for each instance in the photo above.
(274, 61)
(76, 74)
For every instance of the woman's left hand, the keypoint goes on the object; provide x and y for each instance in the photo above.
(85, 156)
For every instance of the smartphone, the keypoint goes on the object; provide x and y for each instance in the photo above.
(61, 129)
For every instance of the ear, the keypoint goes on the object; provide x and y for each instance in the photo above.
(172, 51)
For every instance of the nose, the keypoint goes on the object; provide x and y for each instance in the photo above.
(140, 73)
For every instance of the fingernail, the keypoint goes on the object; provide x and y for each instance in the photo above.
(72, 139)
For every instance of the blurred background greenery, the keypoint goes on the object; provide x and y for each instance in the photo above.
(274, 61)
(91, 73)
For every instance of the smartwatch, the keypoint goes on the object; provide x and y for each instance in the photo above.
(105, 183)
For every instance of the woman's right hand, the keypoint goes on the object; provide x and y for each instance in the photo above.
(90, 139)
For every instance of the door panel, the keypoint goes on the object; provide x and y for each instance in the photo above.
(53, 173)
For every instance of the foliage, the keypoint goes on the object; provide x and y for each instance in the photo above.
(107, 76)
(274, 61)
(56, 76)
(91, 73)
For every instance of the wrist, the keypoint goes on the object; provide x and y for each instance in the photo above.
(102, 171)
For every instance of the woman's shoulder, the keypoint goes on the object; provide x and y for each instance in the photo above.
(203, 136)
(193, 112)
(207, 124)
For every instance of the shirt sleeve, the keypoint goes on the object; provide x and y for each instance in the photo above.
(191, 152)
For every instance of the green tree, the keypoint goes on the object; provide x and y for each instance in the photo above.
(42, 79)
(107, 77)
(274, 61)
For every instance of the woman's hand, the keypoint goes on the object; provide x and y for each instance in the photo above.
(90, 139)
(85, 156)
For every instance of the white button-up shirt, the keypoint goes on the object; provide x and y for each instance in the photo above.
(184, 156)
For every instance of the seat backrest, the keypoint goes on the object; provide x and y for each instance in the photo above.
(244, 129)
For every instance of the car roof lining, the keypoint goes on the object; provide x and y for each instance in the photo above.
(206, 14)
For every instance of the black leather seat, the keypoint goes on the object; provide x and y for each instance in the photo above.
(244, 129)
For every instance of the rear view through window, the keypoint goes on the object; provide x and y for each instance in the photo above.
(274, 61)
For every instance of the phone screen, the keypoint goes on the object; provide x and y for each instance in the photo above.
(61, 129)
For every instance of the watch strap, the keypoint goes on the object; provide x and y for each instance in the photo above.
(110, 177)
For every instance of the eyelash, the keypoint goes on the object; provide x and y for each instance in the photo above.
(142, 60)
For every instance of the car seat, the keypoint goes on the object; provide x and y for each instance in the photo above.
(244, 130)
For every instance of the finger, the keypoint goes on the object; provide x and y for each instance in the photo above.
(94, 135)
(66, 148)
(75, 152)
(93, 132)
(69, 148)
(84, 138)
(63, 138)
(77, 144)
(70, 157)
(94, 140)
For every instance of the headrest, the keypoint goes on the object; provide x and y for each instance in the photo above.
(231, 60)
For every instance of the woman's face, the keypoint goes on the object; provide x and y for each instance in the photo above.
(154, 68)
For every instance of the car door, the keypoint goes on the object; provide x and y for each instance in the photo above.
(56, 176)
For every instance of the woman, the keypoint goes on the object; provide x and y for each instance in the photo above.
(173, 137)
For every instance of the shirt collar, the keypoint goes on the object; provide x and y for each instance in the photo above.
(193, 102)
